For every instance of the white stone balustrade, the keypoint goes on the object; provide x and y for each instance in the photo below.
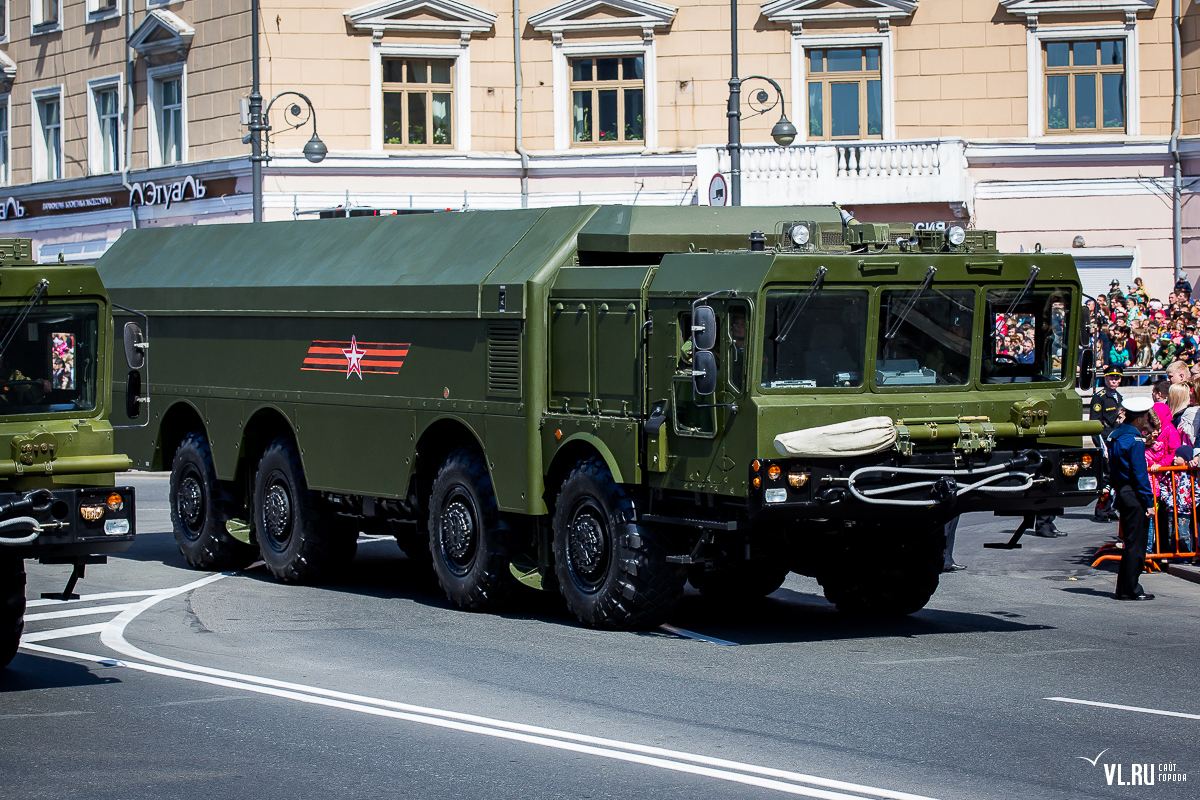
(850, 173)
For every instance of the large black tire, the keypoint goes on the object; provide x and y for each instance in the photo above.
(899, 581)
(612, 572)
(737, 584)
(298, 543)
(469, 542)
(12, 607)
(199, 509)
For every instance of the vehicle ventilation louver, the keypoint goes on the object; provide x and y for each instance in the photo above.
(831, 239)
(504, 359)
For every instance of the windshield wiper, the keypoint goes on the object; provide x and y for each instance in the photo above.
(38, 292)
(1033, 273)
(912, 301)
(795, 315)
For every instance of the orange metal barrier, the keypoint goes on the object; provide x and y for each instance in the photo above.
(1175, 505)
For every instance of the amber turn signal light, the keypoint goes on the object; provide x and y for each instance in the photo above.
(773, 472)
(1087, 460)
(114, 502)
(754, 465)
(757, 481)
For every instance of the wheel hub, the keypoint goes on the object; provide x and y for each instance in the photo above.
(588, 548)
(277, 514)
(458, 533)
(190, 503)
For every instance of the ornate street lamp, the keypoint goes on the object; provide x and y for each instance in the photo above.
(783, 132)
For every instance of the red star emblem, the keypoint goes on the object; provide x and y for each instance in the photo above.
(354, 358)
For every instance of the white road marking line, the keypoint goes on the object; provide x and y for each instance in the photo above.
(86, 597)
(921, 660)
(512, 735)
(693, 635)
(78, 612)
(62, 633)
(1119, 707)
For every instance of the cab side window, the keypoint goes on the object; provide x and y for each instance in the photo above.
(737, 342)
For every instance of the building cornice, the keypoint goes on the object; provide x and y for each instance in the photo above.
(603, 15)
(1030, 10)
(163, 35)
(981, 154)
(421, 16)
(797, 12)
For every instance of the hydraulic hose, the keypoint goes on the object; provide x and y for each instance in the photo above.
(28, 522)
(989, 475)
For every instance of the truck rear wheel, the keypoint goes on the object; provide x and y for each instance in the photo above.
(612, 572)
(198, 510)
(900, 581)
(740, 583)
(468, 541)
(297, 542)
(12, 607)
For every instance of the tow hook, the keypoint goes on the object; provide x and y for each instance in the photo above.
(945, 490)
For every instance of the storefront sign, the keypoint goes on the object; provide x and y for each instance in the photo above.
(144, 193)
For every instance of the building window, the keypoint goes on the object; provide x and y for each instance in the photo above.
(418, 98)
(5, 169)
(608, 100)
(101, 9)
(48, 157)
(169, 112)
(104, 144)
(3, 20)
(845, 94)
(44, 13)
(1085, 86)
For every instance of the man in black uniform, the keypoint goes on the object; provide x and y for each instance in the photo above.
(1106, 406)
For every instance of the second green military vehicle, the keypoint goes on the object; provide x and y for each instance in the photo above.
(608, 401)
(57, 499)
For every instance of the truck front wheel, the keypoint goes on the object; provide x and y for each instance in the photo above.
(737, 584)
(612, 572)
(899, 579)
(468, 540)
(12, 607)
(198, 510)
(297, 542)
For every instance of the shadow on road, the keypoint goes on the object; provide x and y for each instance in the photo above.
(28, 672)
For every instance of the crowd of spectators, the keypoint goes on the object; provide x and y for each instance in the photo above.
(1140, 333)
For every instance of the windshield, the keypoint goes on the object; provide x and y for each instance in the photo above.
(826, 346)
(1025, 343)
(50, 364)
(927, 344)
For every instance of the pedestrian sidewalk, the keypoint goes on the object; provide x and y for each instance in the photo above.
(1186, 571)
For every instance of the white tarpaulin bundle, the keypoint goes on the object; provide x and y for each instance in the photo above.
(858, 437)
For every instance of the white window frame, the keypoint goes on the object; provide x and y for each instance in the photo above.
(95, 139)
(802, 43)
(6, 142)
(37, 25)
(460, 125)
(38, 135)
(1036, 37)
(155, 76)
(161, 3)
(96, 13)
(7, 37)
(560, 61)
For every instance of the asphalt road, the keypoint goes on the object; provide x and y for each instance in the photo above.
(242, 687)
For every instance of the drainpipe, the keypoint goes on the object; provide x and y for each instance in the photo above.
(1176, 125)
(129, 59)
(520, 132)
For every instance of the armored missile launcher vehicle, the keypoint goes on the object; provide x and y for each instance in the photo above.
(58, 503)
(606, 401)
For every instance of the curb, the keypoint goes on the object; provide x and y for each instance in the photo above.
(1188, 573)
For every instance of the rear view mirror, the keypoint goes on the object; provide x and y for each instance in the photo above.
(704, 328)
(704, 373)
(133, 392)
(1087, 369)
(135, 346)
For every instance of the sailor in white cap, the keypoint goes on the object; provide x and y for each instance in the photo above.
(1134, 499)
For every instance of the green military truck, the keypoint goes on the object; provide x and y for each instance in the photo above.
(58, 503)
(606, 401)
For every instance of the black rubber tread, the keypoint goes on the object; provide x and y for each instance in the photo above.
(488, 583)
(317, 548)
(900, 582)
(416, 547)
(640, 589)
(12, 607)
(737, 584)
(214, 549)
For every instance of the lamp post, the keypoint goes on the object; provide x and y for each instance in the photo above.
(783, 132)
(314, 149)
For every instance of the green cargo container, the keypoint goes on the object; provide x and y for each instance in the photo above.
(605, 400)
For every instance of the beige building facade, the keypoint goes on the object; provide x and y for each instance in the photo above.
(1048, 120)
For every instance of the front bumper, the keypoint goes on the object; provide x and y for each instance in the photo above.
(66, 534)
(823, 488)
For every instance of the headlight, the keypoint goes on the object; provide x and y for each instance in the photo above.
(116, 527)
(800, 235)
(91, 513)
(1069, 470)
(797, 480)
(1087, 484)
(775, 495)
(956, 235)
